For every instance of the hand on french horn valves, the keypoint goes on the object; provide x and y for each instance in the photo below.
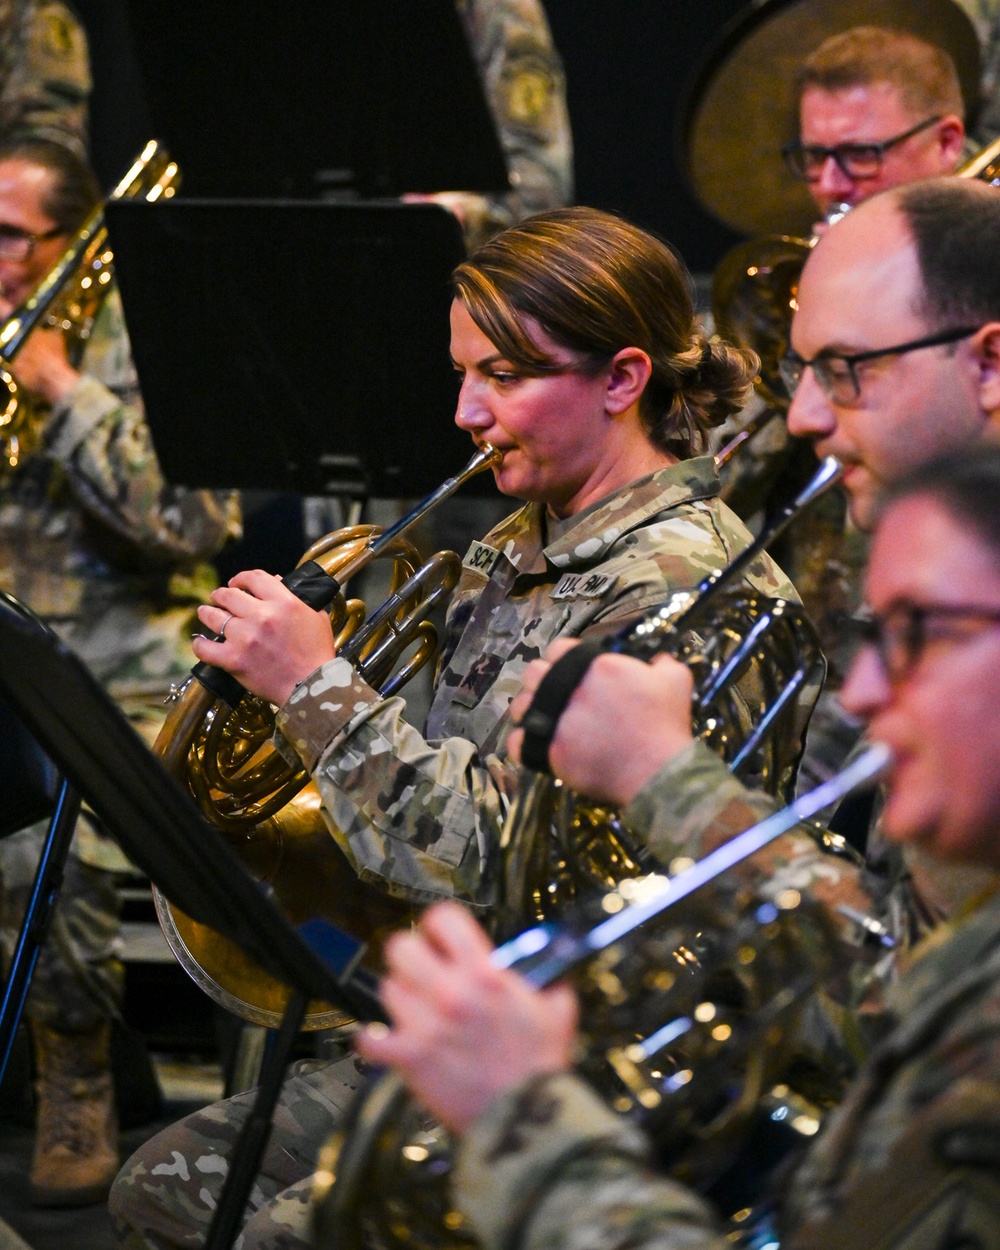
(265, 636)
(624, 721)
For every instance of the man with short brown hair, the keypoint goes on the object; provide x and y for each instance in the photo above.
(877, 107)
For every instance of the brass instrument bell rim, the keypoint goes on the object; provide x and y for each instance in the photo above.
(324, 1018)
(748, 72)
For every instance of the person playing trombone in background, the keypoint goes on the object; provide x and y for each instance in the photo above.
(579, 358)
(909, 1158)
(97, 544)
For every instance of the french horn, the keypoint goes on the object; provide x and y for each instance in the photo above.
(216, 740)
(221, 752)
(69, 298)
(689, 990)
(755, 661)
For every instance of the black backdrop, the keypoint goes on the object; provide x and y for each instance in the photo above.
(627, 62)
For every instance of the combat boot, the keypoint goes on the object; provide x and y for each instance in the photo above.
(76, 1137)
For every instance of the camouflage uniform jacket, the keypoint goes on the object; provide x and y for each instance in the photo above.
(44, 73)
(425, 814)
(96, 542)
(523, 80)
(694, 804)
(550, 1166)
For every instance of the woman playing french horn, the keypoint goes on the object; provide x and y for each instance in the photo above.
(574, 339)
(579, 359)
(909, 1159)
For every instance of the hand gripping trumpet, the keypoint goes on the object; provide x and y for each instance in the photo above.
(216, 742)
(689, 989)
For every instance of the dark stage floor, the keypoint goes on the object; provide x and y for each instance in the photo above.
(85, 1228)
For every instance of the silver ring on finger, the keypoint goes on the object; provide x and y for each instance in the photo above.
(222, 630)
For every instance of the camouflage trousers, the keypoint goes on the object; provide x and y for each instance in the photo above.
(166, 1194)
(78, 979)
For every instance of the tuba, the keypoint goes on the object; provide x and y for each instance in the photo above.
(689, 990)
(69, 298)
(216, 742)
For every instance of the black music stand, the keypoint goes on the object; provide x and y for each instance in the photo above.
(161, 830)
(363, 97)
(293, 345)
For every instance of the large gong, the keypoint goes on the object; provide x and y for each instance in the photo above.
(740, 108)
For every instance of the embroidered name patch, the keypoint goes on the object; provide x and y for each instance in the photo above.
(481, 558)
(584, 586)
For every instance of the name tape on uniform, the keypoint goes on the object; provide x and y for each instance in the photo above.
(584, 586)
(481, 558)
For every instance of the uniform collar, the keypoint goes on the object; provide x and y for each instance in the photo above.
(597, 528)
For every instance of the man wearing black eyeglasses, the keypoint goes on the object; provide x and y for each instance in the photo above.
(895, 346)
(895, 361)
(877, 108)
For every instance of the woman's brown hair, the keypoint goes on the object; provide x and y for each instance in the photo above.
(596, 284)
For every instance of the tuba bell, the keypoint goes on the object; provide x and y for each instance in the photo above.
(69, 298)
(216, 741)
(689, 991)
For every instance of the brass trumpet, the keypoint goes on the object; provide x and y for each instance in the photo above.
(689, 989)
(216, 742)
(69, 298)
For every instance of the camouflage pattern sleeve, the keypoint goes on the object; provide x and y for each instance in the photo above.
(424, 811)
(908, 1159)
(694, 804)
(523, 80)
(418, 817)
(862, 1184)
(44, 73)
(99, 436)
(550, 1167)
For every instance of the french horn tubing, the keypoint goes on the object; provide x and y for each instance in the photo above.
(752, 658)
(69, 298)
(221, 752)
(689, 988)
(216, 741)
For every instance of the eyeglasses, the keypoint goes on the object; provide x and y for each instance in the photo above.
(837, 374)
(901, 635)
(18, 244)
(854, 160)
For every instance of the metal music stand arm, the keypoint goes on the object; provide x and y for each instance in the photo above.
(253, 1136)
(38, 916)
(160, 829)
